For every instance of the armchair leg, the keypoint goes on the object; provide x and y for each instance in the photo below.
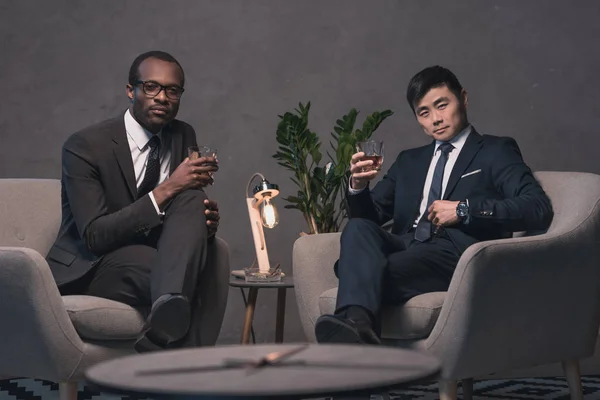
(67, 390)
(467, 389)
(448, 390)
(571, 370)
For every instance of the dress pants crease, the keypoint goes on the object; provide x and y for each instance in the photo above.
(377, 268)
(167, 261)
(181, 246)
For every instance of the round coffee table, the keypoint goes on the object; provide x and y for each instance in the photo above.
(231, 372)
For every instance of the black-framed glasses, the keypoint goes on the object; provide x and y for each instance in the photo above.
(152, 88)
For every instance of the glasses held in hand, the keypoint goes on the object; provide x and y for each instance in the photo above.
(373, 150)
(195, 152)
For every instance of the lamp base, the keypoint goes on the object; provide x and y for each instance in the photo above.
(255, 275)
(241, 274)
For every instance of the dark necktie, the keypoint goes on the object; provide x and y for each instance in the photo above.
(423, 230)
(152, 167)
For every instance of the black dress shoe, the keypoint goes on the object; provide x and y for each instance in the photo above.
(168, 322)
(335, 329)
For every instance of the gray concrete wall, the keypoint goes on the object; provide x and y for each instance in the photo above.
(531, 69)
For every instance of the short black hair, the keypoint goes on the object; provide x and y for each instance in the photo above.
(429, 78)
(134, 70)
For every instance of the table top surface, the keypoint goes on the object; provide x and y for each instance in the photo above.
(223, 371)
(286, 282)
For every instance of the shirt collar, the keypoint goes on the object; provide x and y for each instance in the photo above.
(457, 141)
(137, 132)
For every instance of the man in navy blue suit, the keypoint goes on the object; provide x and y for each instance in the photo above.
(461, 188)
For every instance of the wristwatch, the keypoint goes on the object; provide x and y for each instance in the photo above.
(462, 210)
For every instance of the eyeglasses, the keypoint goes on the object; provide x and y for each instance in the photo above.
(152, 88)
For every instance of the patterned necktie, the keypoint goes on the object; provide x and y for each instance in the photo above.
(423, 230)
(152, 167)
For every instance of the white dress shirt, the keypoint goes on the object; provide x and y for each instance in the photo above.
(458, 142)
(138, 139)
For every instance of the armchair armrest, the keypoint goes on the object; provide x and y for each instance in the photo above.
(312, 261)
(521, 302)
(37, 337)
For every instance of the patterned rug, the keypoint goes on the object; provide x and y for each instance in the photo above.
(520, 389)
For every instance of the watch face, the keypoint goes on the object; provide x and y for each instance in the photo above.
(462, 209)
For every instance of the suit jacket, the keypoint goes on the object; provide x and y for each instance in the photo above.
(503, 195)
(100, 208)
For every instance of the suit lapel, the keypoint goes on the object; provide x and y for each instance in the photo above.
(176, 147)
(123, 156)
(419, 167)
(470, 149)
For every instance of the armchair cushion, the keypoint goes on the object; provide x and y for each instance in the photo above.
(96, 318)
(413, 320)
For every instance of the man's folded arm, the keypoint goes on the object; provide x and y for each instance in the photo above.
(102, 232)
(524, 206)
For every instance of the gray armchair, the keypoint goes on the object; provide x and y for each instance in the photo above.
(512, 304)
(46, 336)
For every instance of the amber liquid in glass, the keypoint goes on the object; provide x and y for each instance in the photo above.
(377, 161)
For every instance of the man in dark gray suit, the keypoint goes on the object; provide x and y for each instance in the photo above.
(136, 223)
(461, 188)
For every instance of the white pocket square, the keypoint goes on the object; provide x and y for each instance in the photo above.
(471, 173)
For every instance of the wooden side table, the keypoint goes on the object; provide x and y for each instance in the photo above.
(282, 286)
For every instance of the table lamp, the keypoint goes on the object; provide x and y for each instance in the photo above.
(262, 213)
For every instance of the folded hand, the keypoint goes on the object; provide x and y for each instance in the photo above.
(212, 216)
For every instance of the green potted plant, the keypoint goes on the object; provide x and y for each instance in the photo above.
(321, 188)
